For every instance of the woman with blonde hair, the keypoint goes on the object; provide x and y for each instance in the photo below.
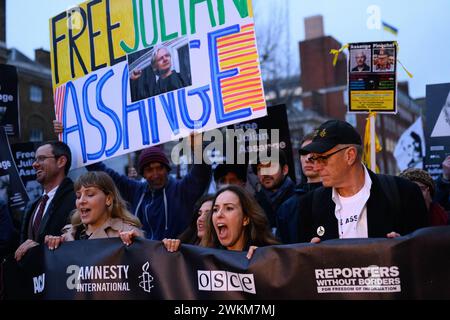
(100, 212)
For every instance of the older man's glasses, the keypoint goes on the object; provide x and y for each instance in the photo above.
(324, 159)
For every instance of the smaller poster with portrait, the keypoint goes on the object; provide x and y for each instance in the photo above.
(372, 79)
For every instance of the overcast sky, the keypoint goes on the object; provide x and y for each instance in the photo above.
(424, 29)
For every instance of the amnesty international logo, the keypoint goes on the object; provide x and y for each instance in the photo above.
(147, 278)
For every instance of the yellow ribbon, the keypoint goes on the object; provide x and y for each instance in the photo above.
(397, 46)
(337, 52)
(366, 155)
(407, 72)
(404, 68)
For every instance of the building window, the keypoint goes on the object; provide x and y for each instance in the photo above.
(271, 95)
(390, 167)
(351, 118)
(36, 135)
(381, 166)
(390, 145)
(298, 105)
(345, 97)
(35, 94)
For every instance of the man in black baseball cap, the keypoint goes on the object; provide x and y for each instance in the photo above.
(335, 142)
(354, 202)
(330, 134)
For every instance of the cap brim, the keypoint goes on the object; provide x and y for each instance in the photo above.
(317, 147)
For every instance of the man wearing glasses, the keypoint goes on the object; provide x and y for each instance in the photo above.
(353, 202)
(50, 213)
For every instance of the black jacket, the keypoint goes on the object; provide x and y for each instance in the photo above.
(442, 194)
(270, 206)
(8, 236)
(56, 216)
(287, 214)
(316, 210)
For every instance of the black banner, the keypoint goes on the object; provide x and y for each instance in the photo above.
(410, 267)
(276, 119)
(437, 128)
(11, 184)
(9, 106)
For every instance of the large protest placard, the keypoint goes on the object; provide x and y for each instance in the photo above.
(437, 127)
(11, 184)
(409, 267)
(129, 74)
(9, 105)
(372, 80)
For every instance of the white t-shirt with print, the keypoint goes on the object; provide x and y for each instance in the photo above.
(351, 212)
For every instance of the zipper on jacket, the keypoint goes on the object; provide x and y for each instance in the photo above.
(165, 206)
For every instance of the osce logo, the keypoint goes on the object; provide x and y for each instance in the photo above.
(225, 281)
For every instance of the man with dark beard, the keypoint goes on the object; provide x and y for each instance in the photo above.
(275, 186)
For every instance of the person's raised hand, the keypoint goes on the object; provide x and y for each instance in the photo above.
(135, 74)
(197, 146)
(57, 127)
(132, 173)
(446, 168)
